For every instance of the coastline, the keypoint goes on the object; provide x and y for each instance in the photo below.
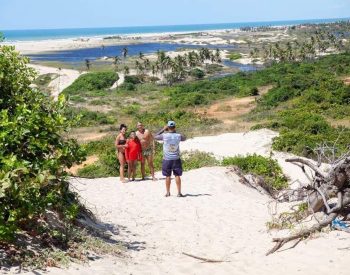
(52, 45)
(197, 37)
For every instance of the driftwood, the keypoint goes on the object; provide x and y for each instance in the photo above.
(323, 187)
(203, 259)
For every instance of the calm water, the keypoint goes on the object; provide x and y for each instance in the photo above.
(79, 55)
(75, 57)
(22, 35)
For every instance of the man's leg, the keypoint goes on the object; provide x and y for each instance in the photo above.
(167, 185)
(143, 173)
(151, 166)
(178, 184)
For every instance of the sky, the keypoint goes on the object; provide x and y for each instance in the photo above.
(46, 14)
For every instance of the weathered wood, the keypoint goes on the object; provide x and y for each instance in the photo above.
(303, 233)
(203, 259)
(323, 186)
(309, 164)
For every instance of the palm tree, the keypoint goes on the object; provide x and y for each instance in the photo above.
(139, 67)
(116, 61)
(103, 50)
(154, 69)
(125, 53)
(87, 64)
(126, 70)
(218, 55)
(146, 64)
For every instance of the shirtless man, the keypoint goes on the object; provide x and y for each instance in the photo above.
(147, 143)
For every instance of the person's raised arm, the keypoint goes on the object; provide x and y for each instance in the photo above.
(159, 135)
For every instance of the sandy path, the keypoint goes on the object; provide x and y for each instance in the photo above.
(218, 219)
(65, 79)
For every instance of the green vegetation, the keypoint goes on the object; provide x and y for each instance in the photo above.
(260, 166)
(317, 42)
(197, 73)
(234, 56)
(206, 91)
(306, 97)
(33, 158)
(85, 118)
(196, 159)
(287, 220)
(92, 81)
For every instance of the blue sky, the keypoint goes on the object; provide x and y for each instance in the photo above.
(37, 14)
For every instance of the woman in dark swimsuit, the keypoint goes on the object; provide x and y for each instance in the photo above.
(120, 144)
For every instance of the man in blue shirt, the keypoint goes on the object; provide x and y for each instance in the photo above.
(171, 156)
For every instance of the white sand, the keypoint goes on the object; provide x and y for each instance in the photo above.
(219, 219)
(66, 78)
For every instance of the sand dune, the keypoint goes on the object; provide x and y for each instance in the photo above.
(219, 219)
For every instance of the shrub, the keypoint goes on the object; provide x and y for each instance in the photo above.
(254, 91)
(107, 165)
(128, 86)
(196, 159)
(92, 81)
(131, 109)
(33, 151)
(197, 73)
(261, 166)
(132, 79)
(234, 56)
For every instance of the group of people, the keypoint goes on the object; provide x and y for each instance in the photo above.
(139, 146)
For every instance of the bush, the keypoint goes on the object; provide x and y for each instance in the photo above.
(196, 159)
(132, 79)
(132, 109)
(92, 81)
(234, 56)
(261, 166)
(33, 151)
(107, 165)
(254, 91)
(197, 73)
(128, 86)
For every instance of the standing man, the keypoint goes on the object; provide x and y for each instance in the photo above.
(146, 139)
(171, 156)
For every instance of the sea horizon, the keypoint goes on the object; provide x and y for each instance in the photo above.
(66, 33)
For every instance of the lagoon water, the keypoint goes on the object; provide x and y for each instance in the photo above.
(43, 34)
(79, 55)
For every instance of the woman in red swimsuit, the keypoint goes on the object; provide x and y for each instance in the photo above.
(133, 153)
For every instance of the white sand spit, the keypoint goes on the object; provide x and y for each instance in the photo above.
(66, 78)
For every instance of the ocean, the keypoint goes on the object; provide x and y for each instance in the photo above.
(44, 34)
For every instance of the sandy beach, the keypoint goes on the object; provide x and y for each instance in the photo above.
(50, 45)
(219, 219)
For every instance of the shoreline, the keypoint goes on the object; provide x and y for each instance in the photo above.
(61, 44)
(186, 28)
